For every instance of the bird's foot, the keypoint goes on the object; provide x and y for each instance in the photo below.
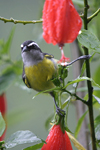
(60, 112)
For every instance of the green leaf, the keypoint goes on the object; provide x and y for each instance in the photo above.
(68, 130)
(2, 125)
(34, 147)
(6, 47)
(95, 83)
(89, 40)
(97, 99)
(6, 80)
(66, 102)
(97, 127)
(77, 80)
(2, 145)
(79, 124)
(86, 97)
(96, 78)
(47, 91)
(56, 82)
(22, 137)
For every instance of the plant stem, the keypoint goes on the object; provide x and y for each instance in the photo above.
(89, 84)
(20, 21)
(93, 15)
(76, 96)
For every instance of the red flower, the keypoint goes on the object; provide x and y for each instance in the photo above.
(61, 22)
(57, 140)
(3, 109)
(3, 104)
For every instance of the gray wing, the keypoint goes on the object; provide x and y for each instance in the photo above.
(25, 80)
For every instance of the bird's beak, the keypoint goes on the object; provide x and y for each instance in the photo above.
(24, 49)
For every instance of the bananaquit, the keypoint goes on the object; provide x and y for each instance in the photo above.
(38, 68)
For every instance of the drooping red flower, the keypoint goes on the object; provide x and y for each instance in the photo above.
(61, 22)
(3, 109)
(3, 104)
(57, 140)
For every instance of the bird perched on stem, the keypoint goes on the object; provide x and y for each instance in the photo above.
(39, 68)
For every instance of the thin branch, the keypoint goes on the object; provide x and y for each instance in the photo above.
(93, 15)
(79, 58)
(20, 21)
(82, 16)
(76, 96)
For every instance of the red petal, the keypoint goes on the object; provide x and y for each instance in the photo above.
(3, 109)
(3, 104)
(57, 140)
(61, 22)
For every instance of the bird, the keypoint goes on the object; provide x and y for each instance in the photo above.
(40, 68)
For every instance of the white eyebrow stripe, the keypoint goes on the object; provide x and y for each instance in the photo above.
(33, 44)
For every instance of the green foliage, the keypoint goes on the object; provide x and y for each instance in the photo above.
(9, 70)
(66, 102)
(58, 79)
(2, 145)
(62, 72)
(79, 124)
(77, 80)
(97, 129)
(34, 147)
(89, 40)
(22, 137)
(6, 46)
(96, 78)
(5, 49)
(2, 125)
(6, 80)
(97, 99)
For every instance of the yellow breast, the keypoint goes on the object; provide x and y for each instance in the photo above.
(39, 75)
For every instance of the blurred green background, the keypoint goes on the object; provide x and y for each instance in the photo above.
(23, 112)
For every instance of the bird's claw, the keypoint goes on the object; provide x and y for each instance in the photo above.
(60, 111)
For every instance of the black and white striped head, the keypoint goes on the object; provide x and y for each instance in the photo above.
(31, 53)
(29, 45)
